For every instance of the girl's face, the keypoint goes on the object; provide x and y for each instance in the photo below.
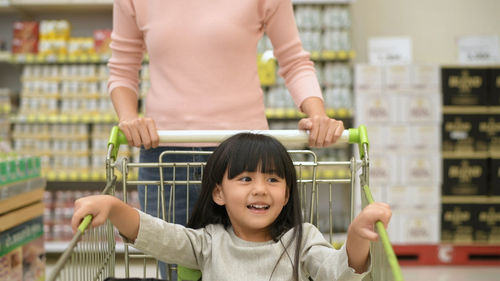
(253, 201)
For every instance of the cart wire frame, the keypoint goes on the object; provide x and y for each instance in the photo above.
(91, 253)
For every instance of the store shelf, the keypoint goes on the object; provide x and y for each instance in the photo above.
(448, 254)
(58, 5)
(5, 57)
(333, 55)
(78, 176)
(52, 5)
(99, 177)
(13, 189)
(471, 110)
(75, 176)
(464, 154)
(271, 113)
(66, 118)
(52, 59)
(292, 113)
(470, 200)
(326, 55)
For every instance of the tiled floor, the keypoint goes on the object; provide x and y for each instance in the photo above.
(451, 273)
(410, 273)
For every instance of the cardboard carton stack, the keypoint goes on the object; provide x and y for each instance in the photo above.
(471, 155)
(401, 108)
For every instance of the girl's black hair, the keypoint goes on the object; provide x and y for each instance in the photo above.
(247, 152)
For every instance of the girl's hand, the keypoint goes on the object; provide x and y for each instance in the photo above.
(140, 131)
(361, 232)
(363, 225)
(323, 131)
(99, 206)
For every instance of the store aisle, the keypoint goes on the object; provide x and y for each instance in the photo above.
(451, 273)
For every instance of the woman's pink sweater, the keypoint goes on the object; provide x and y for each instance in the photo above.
(203, 69)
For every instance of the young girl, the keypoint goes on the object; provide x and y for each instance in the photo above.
(246, 224)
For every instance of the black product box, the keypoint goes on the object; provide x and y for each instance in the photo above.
(487, 217)
(494, 178)
(465, 86)
(460, 134)
(494, 87)
(489, 133)
(457, 223)
(465, 176)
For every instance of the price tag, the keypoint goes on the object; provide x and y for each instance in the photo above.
(20, 58)
(40, 58)
(342, 55)
(478, 50)
(94, 58)
(291, 113)
(390, 50)
(315, 55)
(328, 55)
(51, 58)
(30, 58)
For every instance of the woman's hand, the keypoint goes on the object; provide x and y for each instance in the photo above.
(99, 206)
(323, 131)
(140, 131)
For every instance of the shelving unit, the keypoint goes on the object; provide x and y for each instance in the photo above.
(45, 125)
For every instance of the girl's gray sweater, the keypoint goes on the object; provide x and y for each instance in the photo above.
(221, 255)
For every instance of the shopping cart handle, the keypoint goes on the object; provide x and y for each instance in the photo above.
(215, 136)
(355, 135)
(85, 223)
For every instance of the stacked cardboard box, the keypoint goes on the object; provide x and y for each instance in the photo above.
(471, 155)
(22, 253)
(401, 108)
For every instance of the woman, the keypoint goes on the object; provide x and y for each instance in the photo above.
(203, 75)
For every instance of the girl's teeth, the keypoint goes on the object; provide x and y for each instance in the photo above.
(259, 206)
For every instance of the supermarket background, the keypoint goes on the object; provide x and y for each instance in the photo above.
(424, 76)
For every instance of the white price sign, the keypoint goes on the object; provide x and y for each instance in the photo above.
(479, 50)
(390, 50)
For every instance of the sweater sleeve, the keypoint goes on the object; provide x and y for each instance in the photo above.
(172, 243)
(127, 48)
(294, 64)
(322, 262)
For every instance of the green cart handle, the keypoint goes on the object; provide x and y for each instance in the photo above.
(85, 223)
(116, 138)
(354, 136)
(384, 238)
(359, 136)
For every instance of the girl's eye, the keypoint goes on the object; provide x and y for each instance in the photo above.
(274, 180)
(245, 179)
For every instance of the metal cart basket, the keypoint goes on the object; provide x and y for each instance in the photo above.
(91, 253)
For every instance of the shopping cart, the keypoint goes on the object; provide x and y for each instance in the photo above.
(91, 253)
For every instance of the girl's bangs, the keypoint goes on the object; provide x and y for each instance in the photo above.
(247, 157)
